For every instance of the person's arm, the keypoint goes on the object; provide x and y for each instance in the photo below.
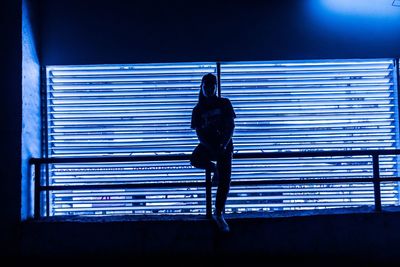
(229, 125)
(201, 135)
(227, 132)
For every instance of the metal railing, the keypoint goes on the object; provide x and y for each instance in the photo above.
(376, 179)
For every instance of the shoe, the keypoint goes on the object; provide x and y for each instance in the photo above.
(215, 178)
(221, 223)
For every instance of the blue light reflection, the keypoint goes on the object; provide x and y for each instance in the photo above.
(370, 8)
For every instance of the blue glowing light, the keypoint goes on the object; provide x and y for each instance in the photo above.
(370, 8)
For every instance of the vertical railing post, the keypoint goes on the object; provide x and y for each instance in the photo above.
(219, 78)
(37, 178)
(377, 183)
(208, 194)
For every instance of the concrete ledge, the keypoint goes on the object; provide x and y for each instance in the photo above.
(348, 235)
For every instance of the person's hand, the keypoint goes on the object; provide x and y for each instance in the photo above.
(221, 149)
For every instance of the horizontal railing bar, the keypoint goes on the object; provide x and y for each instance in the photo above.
(376, 180)
(312, 181)
(256, 155)
(202, 184)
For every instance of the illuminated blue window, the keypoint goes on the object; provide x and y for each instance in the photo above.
(145, 109)
(311, 106)
(123, 110)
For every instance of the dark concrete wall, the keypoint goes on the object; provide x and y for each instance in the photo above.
(99, 31)
(31, 117)
(10, 105)
(340, 239)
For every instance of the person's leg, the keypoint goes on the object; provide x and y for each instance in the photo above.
(224, 165)
(201, 159)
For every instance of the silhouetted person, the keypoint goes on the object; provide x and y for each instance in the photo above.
(213, 120)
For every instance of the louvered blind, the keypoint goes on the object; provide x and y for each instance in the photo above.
(124, 110)
(145, 109)
(312, 106)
